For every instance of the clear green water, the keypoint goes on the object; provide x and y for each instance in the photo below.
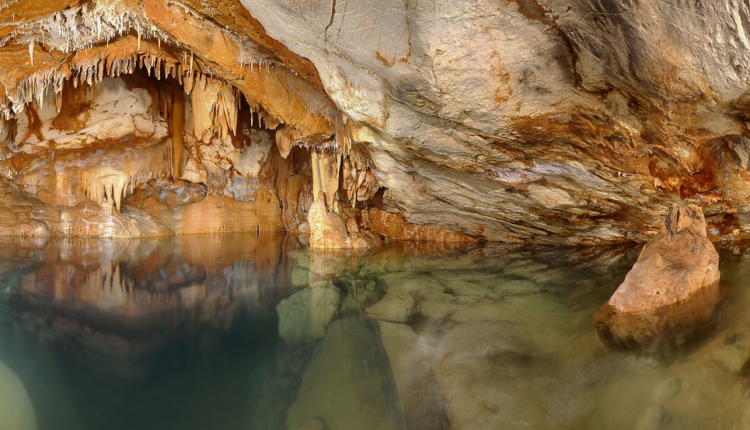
(241, 332)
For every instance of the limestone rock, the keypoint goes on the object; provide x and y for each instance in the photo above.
(304, 316)
(110, 110)
(671, 291)
(392, 308)
(741, 147)
(525, 122)
(182, 194)
(352, 226)
(327, 230)
(300, 277)
(467, 137)
(253, 158)
(16, 410)
(220, 214)
(87, 219)
(21, 214)
(395, 227)
(194, 172)
(342, 386)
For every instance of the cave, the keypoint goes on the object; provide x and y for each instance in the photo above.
(117, 129)
(333, 215)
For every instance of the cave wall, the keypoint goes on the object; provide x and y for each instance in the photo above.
(98, 147)
(571, 121)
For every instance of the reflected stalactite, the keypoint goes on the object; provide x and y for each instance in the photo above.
(114, 298)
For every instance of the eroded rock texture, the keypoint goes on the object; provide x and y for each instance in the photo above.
(563, 121)
(569, 121)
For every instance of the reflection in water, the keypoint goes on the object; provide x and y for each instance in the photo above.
(111, 318)
(247, 332)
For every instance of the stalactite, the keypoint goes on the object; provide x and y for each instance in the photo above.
(315, 165)
(80, 28)
(358, 181)
(286, 137)
(110, 177)
(326, 167)
(178, 125)
(214, 109)
(188, 83)
(343, 134)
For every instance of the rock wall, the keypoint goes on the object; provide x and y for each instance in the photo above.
(569, 121)
(109, 159)
(561, 121)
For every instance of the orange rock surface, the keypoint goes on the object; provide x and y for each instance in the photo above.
(327, 230)
(672, 290)
(394, 227)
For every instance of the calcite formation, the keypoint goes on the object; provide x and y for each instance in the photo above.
(556, 121)
(672, 290)
(328, 230)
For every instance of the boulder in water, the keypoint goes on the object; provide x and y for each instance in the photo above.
(670, 293)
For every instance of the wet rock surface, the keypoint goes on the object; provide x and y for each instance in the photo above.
(671, 292)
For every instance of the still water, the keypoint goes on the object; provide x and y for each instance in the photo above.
(247, 332)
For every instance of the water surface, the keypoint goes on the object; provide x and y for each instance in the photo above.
(247, 332)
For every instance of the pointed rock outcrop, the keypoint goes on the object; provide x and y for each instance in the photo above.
(672, 290)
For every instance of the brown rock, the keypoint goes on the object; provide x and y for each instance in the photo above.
(352, 226)
(327, 230)
(90, 219)
(395, 227)
(221, 214)
(672, 290)
(183, 195)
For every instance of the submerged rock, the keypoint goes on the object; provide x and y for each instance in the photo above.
(342, 387)
(304, 316)
(391, 308)
(16, 410)
(672, 290)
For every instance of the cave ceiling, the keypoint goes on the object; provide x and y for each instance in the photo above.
(577, 121)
